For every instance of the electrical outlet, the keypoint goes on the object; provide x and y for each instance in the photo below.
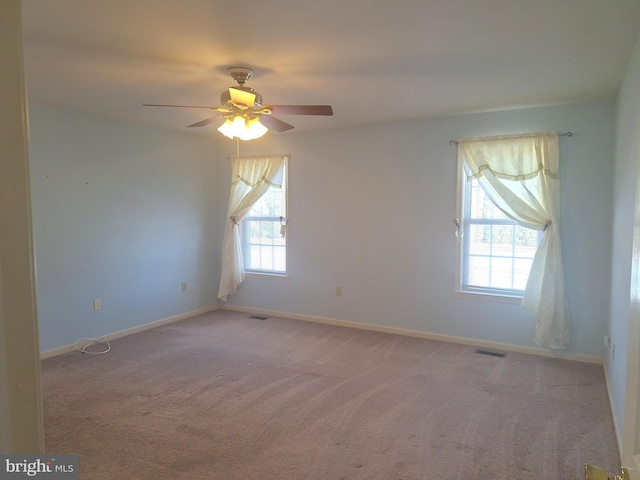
(184, 286)
(338, 291)
(97, 304)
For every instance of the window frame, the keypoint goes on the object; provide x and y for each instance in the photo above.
(244, 234)
(462, 248)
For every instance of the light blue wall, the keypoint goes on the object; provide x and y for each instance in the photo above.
(371, 210)
(126, 213)
(627, 160)
(123, 213)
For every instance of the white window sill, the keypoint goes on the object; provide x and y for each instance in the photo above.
(488, 297)
(266, 276)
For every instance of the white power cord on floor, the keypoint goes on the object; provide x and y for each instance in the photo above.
(90, 343)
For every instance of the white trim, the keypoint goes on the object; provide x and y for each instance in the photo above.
(345, 323)
(460, 218)
(265, 275)
(579, 357)
(633, 472)
(131, 331)
(488, 297)
(615, 420)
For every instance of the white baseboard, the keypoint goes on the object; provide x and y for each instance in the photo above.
(344, 323)
(131, 331)
(417, 333)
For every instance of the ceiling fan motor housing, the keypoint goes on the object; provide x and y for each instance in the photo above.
(225, 97)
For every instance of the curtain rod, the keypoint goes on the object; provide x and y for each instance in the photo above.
(566, 134)
(261, 155)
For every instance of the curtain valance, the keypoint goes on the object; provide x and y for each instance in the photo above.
(511, 157)
(251, 169)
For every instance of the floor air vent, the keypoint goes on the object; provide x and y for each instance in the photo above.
(490, 353)
(258, 317)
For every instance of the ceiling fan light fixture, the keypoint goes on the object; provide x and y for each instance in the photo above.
(244, 129)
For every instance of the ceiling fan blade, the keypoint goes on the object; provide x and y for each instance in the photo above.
(242, 97)
(204, 122)
(301, 109)
(274, 123)
(177, 106)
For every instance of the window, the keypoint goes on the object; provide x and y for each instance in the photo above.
(263, 241)
(496, 252)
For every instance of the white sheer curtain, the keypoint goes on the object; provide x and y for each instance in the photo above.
(251, 177)
(519, 173)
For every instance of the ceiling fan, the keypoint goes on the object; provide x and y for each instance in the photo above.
(244, 114)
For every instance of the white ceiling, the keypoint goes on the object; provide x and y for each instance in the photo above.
(372, 60)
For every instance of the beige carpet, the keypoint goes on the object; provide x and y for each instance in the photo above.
(224, 396)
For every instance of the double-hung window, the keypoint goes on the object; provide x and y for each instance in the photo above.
(519, 175)
(264, 243)
(495, 252)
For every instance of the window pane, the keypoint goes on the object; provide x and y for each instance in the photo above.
(481, 205)
(266, 257)
(271, 204)
(280, 258)
(501, 273)
(253, 262)
(497, 253)
(521, 269)
(264, 247)
(479, 240)
(502, 240)
(479, 272)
